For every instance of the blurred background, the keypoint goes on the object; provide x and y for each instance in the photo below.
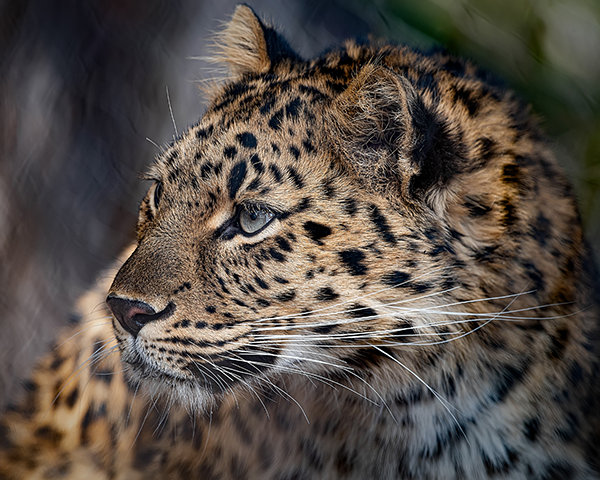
(83, 98)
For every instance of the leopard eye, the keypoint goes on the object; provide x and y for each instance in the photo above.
(157, 194)
(252, 221)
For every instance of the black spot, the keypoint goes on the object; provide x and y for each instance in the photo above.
(326, 294)
(230, 152)
(360, 311)
(324, 329)
(344, 462)
(205, 170)
(203, 133)
(568, 432)
(265, 109)
(381, 225)
(510, 213)
(253, 186)
(303, 205)
(349, 205)
(541, 230)
(296, 178)
(261, 283)
(499, 466)
(222, 283)
(185, 323)
(283, 244)
(366, 358)
(200, 325)
(295, 152)
(236, 178)
(486, 147)
(531, 428)
(174, 155)
(508, 377)
(261, 302)
(396, 278)
(328, 188)
(276, 172)
(559, 471)
(558, 343)
(292, 108)
(316, 231)
(575, 373)
(283, 281)
(286, 296)
(468, 99)
(57, 362)
(104, 375)
(511, 174)
(420, 287)
(256, 163)
(277, 255)
(353, 260)
(72, 398)
(144, 456)
(535, 275)
(49, 434)
(210, 309)
(308, 146)
(455, 66)
(275, 121)
(247, 140)
(239, 302)
(475, 208)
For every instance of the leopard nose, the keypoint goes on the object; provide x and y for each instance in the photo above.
(134, 314)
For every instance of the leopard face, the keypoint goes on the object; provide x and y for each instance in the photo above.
(259, 252)
(374, 217)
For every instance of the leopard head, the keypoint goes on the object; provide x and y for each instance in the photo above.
(333, 218)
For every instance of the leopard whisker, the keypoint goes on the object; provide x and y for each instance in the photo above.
(378, 292)
(82, 330)
(81, 368)
(154, 400)
(286, 395)
(388, 305)
(311, 375)
(137, 387)
(445, 403)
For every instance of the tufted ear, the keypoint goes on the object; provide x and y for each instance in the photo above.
(249, 46)
(398, 147)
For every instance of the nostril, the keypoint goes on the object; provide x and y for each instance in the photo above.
(134, 314)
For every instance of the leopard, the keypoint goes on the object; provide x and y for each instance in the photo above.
(368, 265)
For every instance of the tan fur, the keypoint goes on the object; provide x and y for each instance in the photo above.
(421, 302)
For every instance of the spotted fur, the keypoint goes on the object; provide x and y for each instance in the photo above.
(366, 265)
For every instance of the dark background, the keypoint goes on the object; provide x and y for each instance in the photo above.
(83, 85)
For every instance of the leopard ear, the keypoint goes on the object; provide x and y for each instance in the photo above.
(397, 146)
(250, 46)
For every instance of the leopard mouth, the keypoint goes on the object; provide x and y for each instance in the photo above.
(214, 374)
